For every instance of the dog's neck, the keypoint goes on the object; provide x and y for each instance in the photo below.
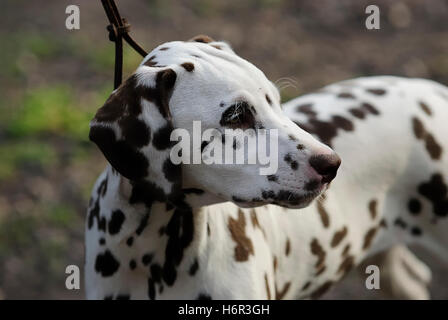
(148, 211)
(197, 198)
(191, 197)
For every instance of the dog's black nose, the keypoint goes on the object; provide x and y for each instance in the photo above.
(326, 165)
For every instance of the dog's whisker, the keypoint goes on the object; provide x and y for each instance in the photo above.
(286, 82)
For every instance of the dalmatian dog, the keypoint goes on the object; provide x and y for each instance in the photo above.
(159, 230)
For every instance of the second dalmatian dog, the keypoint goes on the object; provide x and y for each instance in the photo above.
(156, 230)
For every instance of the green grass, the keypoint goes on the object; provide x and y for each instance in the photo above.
(61, 216)
(53, 110)
(42, 46)
(19, 230)
(21, 153)
(21, 49)
(16, 231)
(43, 113)
(102, 58)
(49, 110)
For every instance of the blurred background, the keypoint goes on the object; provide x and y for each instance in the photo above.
(52, 80)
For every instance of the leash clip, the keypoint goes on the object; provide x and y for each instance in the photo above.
(116, 31)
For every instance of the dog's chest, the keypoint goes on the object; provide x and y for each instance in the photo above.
(268, 252)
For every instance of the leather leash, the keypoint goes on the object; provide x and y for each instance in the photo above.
(119, 29)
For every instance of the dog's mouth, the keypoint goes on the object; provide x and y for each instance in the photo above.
(297, 201)
(284, 198)
(295, 198)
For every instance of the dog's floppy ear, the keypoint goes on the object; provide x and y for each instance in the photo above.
(133, 129)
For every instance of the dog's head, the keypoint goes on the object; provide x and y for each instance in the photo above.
(201, 91)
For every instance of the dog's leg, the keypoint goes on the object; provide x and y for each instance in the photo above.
(402, 274)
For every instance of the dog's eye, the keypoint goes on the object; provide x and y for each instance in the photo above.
(234, 118)
(238, 115)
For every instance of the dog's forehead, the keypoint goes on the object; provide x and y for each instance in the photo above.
(177, 51)
(208, 60)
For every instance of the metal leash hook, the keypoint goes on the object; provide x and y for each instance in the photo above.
(119, 29)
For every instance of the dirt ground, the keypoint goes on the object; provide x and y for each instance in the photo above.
(52, 80)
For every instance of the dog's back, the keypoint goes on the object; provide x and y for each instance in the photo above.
(391, 135)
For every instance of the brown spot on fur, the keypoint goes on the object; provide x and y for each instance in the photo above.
(254, 219)
(244, 246)
(318, 251)
(368, 238)
(279, 295)
(369, 108)
(433, 148)
(419, 130)
(288, 247)
(346, 95)
(363, 110)
(346, 265)
(307, 109)
(164, 49)
(323, 215)
(346, 250)
(150, 62)
(217, 46)
(268, 290)
(321, 290)
(377, 92)
(255, 222)
(321, 270)
(338, 237)
(326, 130)
(188, 66)
(268, 99)
(372, 208)
(202, 38)
(383, 223)
(306, 285)
(275, 264)
(425, 108)
(343, 123)
(358, 113)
